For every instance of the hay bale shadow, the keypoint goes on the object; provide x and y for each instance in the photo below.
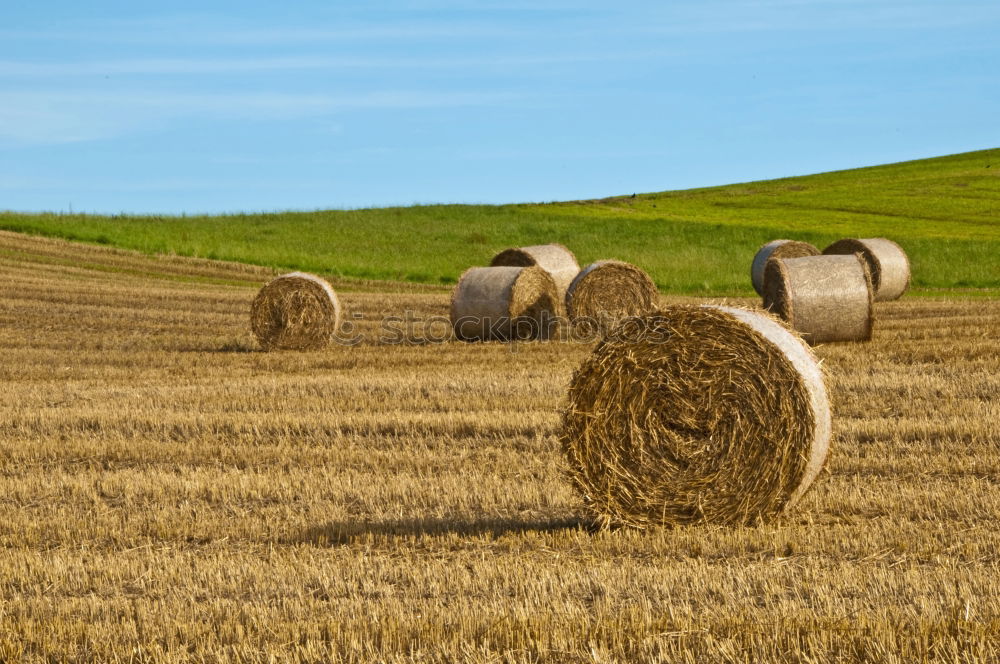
(237, 347)
(228, 347)
(337, 533)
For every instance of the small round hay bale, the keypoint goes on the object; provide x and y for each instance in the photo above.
(696, 414)
(606, 291)
(777, 249)
(555, 259)
(887, 262)
(504, 303)
(296, 311)
(823, 298)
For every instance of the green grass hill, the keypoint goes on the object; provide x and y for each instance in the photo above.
(945, 212)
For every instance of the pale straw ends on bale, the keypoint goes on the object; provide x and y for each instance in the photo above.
(696, 415)
(887, 263)
(504, 304)
(555, 259)
(296, 311)
(777, 249)
(823, 298)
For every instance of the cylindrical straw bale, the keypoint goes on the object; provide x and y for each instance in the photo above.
(606, 291)
(696, 414)
(504, 303)
(296, 311)
(554, 258)
(823, 298)
(887, 262)
(777, 249)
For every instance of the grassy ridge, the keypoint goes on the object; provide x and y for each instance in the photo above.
(945, 212)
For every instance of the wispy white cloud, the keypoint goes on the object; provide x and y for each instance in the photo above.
(436, 22)
(265, 101)
(55, 117)
(173, 183)
(815, 15)
(212, 31)
(196, 66)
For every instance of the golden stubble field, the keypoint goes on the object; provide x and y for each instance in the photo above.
(169, 494)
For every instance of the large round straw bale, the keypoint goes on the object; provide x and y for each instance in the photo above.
(607, 291)
(555, 259)
(887, 262)
(823, 298)
(296, 311)
(504, 303)
(696, 414)
(777, 249)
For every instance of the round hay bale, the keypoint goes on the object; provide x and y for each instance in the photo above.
(504, 303)
(887, 262)
(606, 291)
(777, 249)
(696, 414)
(823, 298)
(555, 259)
(296, 311)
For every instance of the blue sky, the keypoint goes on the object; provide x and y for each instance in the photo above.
(242, 106)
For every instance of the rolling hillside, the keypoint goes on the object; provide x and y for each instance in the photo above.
(945, 212)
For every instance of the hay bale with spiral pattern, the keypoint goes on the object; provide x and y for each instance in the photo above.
(296, 311)
(777, 249)
(606, 291)
(694, 414)
(887, 262)
(823, 298)
(555, 259)
(504, 304)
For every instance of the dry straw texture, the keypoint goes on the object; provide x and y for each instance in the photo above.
(887, 262)
(296, 311)
(606, 291)
(823, 298)
(555, 259)
(777, 249)
(168, 498)
(696, 414)
(504, 303)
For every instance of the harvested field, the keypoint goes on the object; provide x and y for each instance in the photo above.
(170, 494)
